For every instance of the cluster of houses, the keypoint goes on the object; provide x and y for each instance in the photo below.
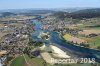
(3, 58)
(14, 40)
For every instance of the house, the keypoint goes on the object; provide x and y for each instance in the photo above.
(3, 57)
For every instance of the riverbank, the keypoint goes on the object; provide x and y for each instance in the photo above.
(77, 42)
(58, 52)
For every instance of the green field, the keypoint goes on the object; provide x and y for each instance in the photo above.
(93, 41)
(84, 26)
(34, 61)
(18, 61)
(96, 41)
(39, 62)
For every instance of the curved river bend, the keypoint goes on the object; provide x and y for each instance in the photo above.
(81, 51)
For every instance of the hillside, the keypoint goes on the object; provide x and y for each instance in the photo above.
(7, 14)
(86, 13)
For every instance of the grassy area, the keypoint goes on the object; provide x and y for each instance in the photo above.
(84, 26)
(67, 36)
(34, 61)
(95, 40)
(94, 28)
(19, 61)
(39, 62)
(73, 65)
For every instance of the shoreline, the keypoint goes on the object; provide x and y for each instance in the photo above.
(76, 44)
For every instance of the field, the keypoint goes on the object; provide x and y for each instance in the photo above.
(94, 41)
(34, 61)
(91, 28)
(39, 62)
(87, 32)
(73, 39)
(19, 61)
(67, 36)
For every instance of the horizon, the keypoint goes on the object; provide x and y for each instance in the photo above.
(51, 8)
(44, 4)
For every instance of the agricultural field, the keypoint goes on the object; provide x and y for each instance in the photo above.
(18, 61)
(73, 39)
(67, 36)
(34, 61)
(40, 61)
(88, 32)
(89, 26)
(94, 42)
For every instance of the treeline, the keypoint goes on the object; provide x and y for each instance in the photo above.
(81, 14)
(25, 12)
(4, 14)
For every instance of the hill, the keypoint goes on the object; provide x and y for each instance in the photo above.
(7, 14)
(86, 13)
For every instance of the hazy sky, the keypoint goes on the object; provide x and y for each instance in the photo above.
(21, 4)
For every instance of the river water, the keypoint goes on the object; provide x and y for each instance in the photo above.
(55, 39)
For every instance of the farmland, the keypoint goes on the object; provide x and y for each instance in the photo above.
(18, 61)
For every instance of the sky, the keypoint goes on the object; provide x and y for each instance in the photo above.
(22, 4)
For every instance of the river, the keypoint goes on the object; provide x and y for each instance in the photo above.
(55, 39)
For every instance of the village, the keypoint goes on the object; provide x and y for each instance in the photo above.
(13, 37)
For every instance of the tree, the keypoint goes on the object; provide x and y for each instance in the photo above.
(98, 47)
